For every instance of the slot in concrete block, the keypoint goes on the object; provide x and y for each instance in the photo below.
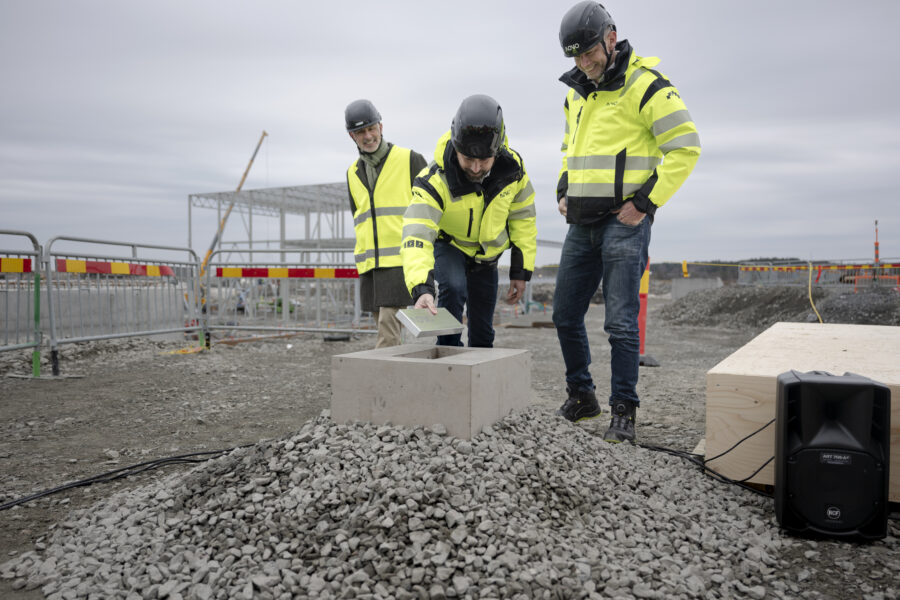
(462, 388)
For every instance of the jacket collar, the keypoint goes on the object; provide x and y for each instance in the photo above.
(614, 79)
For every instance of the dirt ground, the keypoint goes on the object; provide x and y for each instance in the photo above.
(129, 401)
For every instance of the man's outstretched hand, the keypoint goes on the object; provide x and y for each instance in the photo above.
(426, 301)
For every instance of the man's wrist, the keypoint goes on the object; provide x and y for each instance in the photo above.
(420, 290)
(643, 204)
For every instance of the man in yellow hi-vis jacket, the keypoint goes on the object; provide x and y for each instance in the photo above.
(474, 201)
(629, 145)
(379, 187)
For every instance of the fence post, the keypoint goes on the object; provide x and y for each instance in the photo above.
(36, 353)
(16, 265)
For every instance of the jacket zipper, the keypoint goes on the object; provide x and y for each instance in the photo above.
(471, 216)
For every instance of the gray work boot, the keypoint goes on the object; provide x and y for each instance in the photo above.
(580, 405)
(621, 426)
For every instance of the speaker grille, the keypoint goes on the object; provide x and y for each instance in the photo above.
(832, 451)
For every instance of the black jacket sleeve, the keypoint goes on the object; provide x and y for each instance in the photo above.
(416, 163)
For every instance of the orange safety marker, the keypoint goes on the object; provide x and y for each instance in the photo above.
(645, 360)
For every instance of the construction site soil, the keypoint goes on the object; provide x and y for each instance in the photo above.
(122, 402)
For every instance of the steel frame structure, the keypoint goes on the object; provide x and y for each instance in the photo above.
(323, 207)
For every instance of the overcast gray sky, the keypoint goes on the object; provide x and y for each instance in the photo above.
(111, 113)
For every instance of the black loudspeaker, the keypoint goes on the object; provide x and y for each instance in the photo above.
(832, 453)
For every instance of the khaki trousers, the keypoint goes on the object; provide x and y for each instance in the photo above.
(390, 331)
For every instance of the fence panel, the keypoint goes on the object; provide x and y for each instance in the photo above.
(848, 275)
(107, 295)
(269, 293)
(20, 297)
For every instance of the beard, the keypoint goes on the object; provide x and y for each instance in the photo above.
(471, 176)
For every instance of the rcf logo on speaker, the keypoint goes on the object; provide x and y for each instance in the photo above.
(833, 513)
(835, 458)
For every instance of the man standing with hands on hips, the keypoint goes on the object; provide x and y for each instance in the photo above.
(379, 186)
(629, 144)
(474, 201)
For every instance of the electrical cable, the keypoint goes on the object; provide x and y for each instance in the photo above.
(739, 442)
(699, 461)
(124, 472)
(809, 292)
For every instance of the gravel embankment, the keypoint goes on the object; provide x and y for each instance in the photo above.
(531, 508)
(759, 307)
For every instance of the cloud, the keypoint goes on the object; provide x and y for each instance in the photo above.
(117, 111)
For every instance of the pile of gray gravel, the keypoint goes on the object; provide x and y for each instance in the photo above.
(758, 307)
(531, 508)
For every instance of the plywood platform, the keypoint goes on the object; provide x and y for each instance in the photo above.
(740, 390)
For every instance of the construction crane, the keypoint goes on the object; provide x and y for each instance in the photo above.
(218, 235)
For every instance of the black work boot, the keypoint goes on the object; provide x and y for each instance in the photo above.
(580, 405)
(621, 427)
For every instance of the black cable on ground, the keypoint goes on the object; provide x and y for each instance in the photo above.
(697, 460)
(739, 442)
(124, 472)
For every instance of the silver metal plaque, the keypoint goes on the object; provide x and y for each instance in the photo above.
(420, 322)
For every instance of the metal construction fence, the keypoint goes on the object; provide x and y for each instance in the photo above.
(20, 301)
(96, 293)
(850, 275)
(78, 289)
(270, 293)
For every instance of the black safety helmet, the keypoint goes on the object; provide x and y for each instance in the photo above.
(359, 114)
(583, 27)
(477, 128)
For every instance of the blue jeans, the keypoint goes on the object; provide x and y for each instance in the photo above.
(616, 254)
(464, 282)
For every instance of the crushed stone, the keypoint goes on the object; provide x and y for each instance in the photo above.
(533, 507)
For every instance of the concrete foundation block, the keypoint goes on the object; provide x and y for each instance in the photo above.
(462, 388)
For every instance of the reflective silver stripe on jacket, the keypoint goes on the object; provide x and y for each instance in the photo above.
(383, 211)
(523, 213)
(499, 241)
(363, 216)
(390, 211)
(602, 190)
(389, 251)
(682, 141)
(608, 162)
(420, 231)
(524, 193)
(634, 77)
(670, 121)
(423, 211)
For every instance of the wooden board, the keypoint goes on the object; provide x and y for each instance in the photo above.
(740, 390)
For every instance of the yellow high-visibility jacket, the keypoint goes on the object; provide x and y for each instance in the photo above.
(481, 220)
(378, 216)
(630, 138)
